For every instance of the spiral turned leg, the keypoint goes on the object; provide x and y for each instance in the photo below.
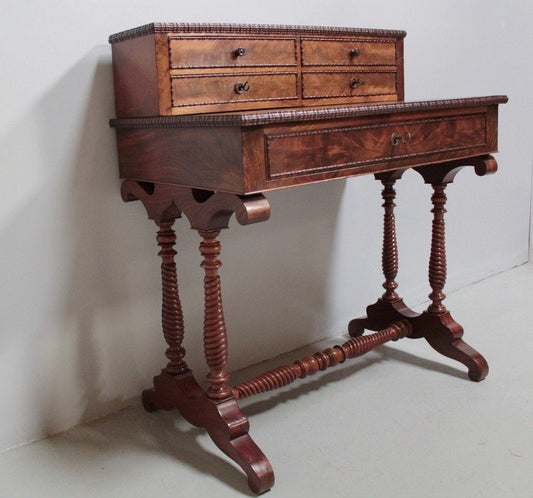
(171, 315)
(442, 332)
(437, 259)
(390, 306)
(389, 254)
(171, 312)
(215, 337)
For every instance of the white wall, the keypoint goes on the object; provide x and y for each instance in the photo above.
(79, 296)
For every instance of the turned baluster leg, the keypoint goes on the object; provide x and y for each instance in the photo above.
(389, 307)
(215, 337)
(437, 259)
(389, 255)
(442, 332)
(171, 312)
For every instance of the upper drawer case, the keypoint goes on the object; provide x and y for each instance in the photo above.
(174, 69)
(211, 52)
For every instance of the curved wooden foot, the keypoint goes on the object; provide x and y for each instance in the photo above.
(224, 421)
(444, 335)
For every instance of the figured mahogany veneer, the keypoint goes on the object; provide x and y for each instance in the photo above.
(245, 153)
(211, 116)
(173, 69)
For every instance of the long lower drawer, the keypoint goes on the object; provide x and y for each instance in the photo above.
(308, 151)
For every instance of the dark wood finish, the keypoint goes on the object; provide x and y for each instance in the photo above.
(437, 259)
(436, 324)
(224, 422)
(181, 65)
(287, 374)
(171, 312)
(389, 255)
(215, 337)
(237, 157)
(190, 143)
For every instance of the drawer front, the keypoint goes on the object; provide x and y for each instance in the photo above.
(196, 90)
(348, 52)
(326, 84)
(231, 52)
(309, 152)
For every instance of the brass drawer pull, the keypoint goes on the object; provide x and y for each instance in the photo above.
(354, 82)
(354, 52)
(242, 87)
(395, 139)
(239, 52)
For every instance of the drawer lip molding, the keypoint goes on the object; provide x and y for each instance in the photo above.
(158, 27)
(254, 118)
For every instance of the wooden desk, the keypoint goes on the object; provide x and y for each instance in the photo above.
(210, 117)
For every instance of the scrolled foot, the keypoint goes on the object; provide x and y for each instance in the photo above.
(230, 434)
(444, 335)
(224, 421)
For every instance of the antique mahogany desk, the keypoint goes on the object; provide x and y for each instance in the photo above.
(212, 116)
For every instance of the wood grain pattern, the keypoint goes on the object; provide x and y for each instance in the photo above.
(209, 52)
(192, 53)
(135, 77)
(201, 90)
(338, 51)
(328, 84)
(295, 153)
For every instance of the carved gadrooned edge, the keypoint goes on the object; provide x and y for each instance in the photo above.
(152, 28)
(205, 210)
(443, 173)
(254, 118)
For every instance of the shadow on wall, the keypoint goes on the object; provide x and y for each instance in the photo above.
(92, 336)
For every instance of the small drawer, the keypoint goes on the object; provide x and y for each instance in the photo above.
(194, 90)
(308, 152)
(348, 52)
(324, 84)
(214, 52)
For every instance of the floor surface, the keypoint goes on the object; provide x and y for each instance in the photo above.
(402, 421)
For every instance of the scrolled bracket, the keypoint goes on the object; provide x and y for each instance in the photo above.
(206, 210)
(442, 173)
